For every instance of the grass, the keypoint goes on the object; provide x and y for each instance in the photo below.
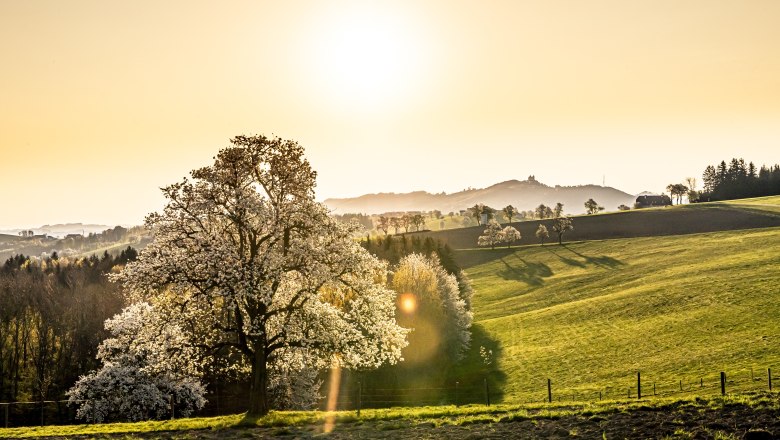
(589, 315)
(768, 203)
(395, 418)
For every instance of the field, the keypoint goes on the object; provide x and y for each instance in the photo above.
(589, 315)
(759, 212)
(732, 417)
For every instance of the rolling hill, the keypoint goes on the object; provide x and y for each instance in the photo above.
(590, 314)
(524, 195)
(759, 212)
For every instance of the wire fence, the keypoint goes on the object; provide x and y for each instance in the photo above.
(642, 385)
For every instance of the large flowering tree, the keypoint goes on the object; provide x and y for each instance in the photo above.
(248, 263)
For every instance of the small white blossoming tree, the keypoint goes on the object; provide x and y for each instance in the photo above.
(249, 264)
(147, 372)
(510, 235)
(492, 235)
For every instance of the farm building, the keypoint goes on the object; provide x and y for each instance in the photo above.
(645, 201)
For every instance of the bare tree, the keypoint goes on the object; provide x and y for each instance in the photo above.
(558, 210)
(509, 212)
(561, 225)
(383, 224)
(591, 207)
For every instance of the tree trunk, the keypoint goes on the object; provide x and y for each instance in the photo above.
(258, 394)
(560, 239)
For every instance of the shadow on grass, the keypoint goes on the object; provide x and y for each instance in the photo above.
(247, 421)
(433, 382)
(603, 261)
(475, 257)
(530, 273)
(482, 362)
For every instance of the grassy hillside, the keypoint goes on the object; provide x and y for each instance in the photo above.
(766, 204)
(759, 212)
(588, 315)
(731, 417)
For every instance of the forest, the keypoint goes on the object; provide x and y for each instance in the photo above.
(737, 180)
(51, 321)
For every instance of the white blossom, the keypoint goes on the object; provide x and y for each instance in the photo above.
(248, 263)
(146, 369)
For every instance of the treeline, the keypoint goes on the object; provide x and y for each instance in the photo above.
(74, 244)
(362, 219)
(51, 321)
(393, 248)
(406, 221)
(737, 180)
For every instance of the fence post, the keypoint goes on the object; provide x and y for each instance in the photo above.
(549, 391)
(599, 395)
(457, 403)
(487, 393)
(360, 397)
(702, 383)
(751, 374)
(722, 383)
(654, 388)
(42, 406)
(6, 414)
(170, 402)
(769, 375)
(681, 385)
(638, 385)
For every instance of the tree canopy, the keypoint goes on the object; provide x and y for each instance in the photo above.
(250, 264)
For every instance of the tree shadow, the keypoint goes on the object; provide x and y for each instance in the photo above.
(480, 364)
(603, 261)
(247, 421)
(434, 382)
(530, 273)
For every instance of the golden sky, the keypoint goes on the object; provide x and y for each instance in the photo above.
(102, 102)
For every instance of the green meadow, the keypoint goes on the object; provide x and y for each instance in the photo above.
(678, 418)
(588, 315)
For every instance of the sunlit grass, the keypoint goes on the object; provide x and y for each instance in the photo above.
(768, 203)
(396, 418)
(590, 314)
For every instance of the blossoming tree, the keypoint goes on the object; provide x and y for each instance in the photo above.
(249, 264)
(147, 371)
(492, 236)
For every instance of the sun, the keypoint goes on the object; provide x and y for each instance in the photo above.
(366, 56)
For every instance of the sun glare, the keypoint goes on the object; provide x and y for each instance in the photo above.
(366, 56)
(407, 302)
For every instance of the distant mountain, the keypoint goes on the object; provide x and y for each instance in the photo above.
(523, 195)
(62, 229)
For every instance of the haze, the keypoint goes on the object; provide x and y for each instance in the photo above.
(103, 102)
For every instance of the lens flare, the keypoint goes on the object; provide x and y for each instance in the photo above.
(333, 397)
(407, 302)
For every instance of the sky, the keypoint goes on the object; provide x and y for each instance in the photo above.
(104, 102)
